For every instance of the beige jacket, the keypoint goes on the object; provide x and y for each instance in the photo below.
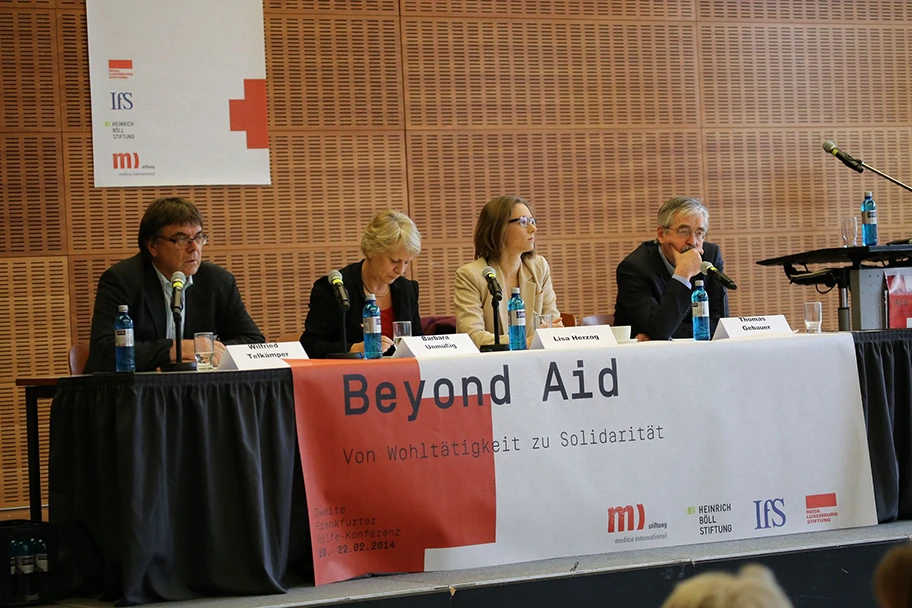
(474, 315)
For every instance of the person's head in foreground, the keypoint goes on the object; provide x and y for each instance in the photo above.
(753, 587)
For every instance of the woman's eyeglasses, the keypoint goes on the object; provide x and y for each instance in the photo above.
(523, 220)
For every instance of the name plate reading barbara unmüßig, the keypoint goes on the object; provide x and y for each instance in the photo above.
(744, 327)
(586, 336)
(260, 356)
(439, 345)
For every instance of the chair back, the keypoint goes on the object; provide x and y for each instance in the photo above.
(79, 354)
(607, 319)
(295, 337)
(568, 320)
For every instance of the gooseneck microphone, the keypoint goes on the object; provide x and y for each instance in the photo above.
(847, 159)
(178, 280)
(335, 279)
(493, 284)
(707, 268)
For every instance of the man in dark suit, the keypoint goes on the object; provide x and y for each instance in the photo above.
(655, 281)
(171, 239)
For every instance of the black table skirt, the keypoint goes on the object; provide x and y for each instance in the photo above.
(174, 486)
(885, 371)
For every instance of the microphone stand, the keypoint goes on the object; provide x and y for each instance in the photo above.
(344, 343)
(497, 346)
(178, 365)
(864, 166)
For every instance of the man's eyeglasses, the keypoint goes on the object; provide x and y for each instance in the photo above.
(523, 220)
(182, 240)
(685, 231)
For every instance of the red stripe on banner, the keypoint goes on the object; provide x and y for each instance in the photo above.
(249, 114)
(381, 489)
(820, 501)
(120, 64)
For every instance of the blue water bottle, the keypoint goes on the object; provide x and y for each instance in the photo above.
(13, 588)
(123, 341)
(868, 220)
(699, 307)
(517, 312)
(25, 566)
(373, 342)
(39, 547)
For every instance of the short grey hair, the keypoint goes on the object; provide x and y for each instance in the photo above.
(390, 230)
(687, 205)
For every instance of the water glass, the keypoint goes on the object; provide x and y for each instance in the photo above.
(849, 227)
(401, 329)
(204, 348)
(813, 316)
(542, 320)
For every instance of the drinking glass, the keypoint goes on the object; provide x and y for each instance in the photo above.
(542, 320)
(813, 316)
(401, 329)
(849, 227)
(204, 347)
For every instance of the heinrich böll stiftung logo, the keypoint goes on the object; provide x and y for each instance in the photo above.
(126, 160)
(820, 508)
(120, 69)
(770, 513)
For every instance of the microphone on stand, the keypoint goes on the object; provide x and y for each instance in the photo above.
(178, 282)
(496, 296)
(338, 287)
(335, 279)
(707, 268)
(847, 159)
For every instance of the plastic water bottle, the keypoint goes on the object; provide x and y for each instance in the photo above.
(517, 311)
(39, 547)
(14, 591)
(25, 566)
(868, 220)
(699, 307)
(123, 341)
(373, 342)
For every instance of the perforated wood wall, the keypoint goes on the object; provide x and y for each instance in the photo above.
(596, 111)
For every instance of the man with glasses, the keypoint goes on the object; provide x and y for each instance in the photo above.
(171, 239)
(655, 282)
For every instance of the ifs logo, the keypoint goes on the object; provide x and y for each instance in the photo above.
(769, 513)
(621, 519)
(122, 100)
(126, 160)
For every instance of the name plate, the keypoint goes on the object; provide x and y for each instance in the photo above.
(440, 345)
(743, 327)
(260, 356)
(586, 336)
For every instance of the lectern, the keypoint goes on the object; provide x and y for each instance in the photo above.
(860, 272)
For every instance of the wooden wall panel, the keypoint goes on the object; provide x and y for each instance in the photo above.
(28, 48)
(483, 73)
(34, 216)
(13, 454)
(73, 69)
(771, 74)
(808, 10)
(333, 72)
(332, 6)
(547, 9)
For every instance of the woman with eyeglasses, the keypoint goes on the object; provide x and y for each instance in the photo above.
(389, 244)
(505, 241)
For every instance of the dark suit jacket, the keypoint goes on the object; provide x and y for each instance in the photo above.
(213, 303)
(322, 327)
(650, 301)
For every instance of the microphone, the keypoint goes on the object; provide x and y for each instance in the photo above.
(335, 279)
(178, 279)
(707, 268)
(847, 160)
(493, 285)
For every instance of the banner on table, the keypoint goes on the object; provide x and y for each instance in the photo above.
(178, 92)
(499, 458)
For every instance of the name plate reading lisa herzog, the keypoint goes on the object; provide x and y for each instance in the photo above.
(588, 336)
(268, 355)
(439, 345)
(743, 327)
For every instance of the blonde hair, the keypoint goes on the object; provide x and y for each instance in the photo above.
(389, 230)
(893, 578)
(753, 587)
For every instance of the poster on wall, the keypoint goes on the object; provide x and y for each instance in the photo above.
(178, 92)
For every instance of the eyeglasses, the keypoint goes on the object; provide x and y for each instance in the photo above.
(685, 231)
(182, 240)
(523, 220)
